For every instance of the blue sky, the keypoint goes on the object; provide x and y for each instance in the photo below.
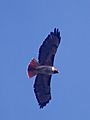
(24, 24)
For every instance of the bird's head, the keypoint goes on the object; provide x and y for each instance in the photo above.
(55, 70)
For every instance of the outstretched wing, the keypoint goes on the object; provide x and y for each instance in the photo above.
(42, 89)
(49, 47)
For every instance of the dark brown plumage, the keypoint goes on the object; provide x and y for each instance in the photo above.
(46, 56)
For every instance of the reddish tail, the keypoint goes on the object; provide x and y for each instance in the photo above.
(31, 66)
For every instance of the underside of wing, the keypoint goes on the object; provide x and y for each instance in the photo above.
(49, 47)
(42, 89)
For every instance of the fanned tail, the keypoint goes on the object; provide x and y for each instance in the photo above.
(31, 68)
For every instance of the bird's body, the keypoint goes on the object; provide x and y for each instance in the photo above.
(48, 70)
(43, 69)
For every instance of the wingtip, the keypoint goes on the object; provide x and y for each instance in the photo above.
(57, 32)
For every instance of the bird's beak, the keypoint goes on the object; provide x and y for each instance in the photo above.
(56, 71)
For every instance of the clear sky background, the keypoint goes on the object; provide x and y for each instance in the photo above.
(24, 24)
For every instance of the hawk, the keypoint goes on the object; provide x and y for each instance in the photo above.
(43, 68)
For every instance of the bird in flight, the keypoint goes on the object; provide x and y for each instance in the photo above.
(43, 68)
